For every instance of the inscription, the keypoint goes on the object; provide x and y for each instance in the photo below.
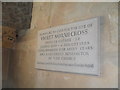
(70, 48)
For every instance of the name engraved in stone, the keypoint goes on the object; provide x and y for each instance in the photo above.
(70, 48)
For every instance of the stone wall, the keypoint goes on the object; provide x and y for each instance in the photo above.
(0, 47)
(16, 15)
(22, 72)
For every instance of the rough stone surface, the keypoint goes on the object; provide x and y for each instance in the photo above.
(16, 14)
(22, 69)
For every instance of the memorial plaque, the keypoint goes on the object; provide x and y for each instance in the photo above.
(72, 48)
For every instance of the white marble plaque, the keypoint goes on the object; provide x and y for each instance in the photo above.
(72, 48)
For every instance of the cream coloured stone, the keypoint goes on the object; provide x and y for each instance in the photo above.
(45, 15)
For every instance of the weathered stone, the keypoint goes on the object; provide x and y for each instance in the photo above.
(17, 15)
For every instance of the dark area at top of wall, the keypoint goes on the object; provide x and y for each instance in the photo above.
(17, 15)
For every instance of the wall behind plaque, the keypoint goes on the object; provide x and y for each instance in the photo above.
(22, 73)
(0, 47)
